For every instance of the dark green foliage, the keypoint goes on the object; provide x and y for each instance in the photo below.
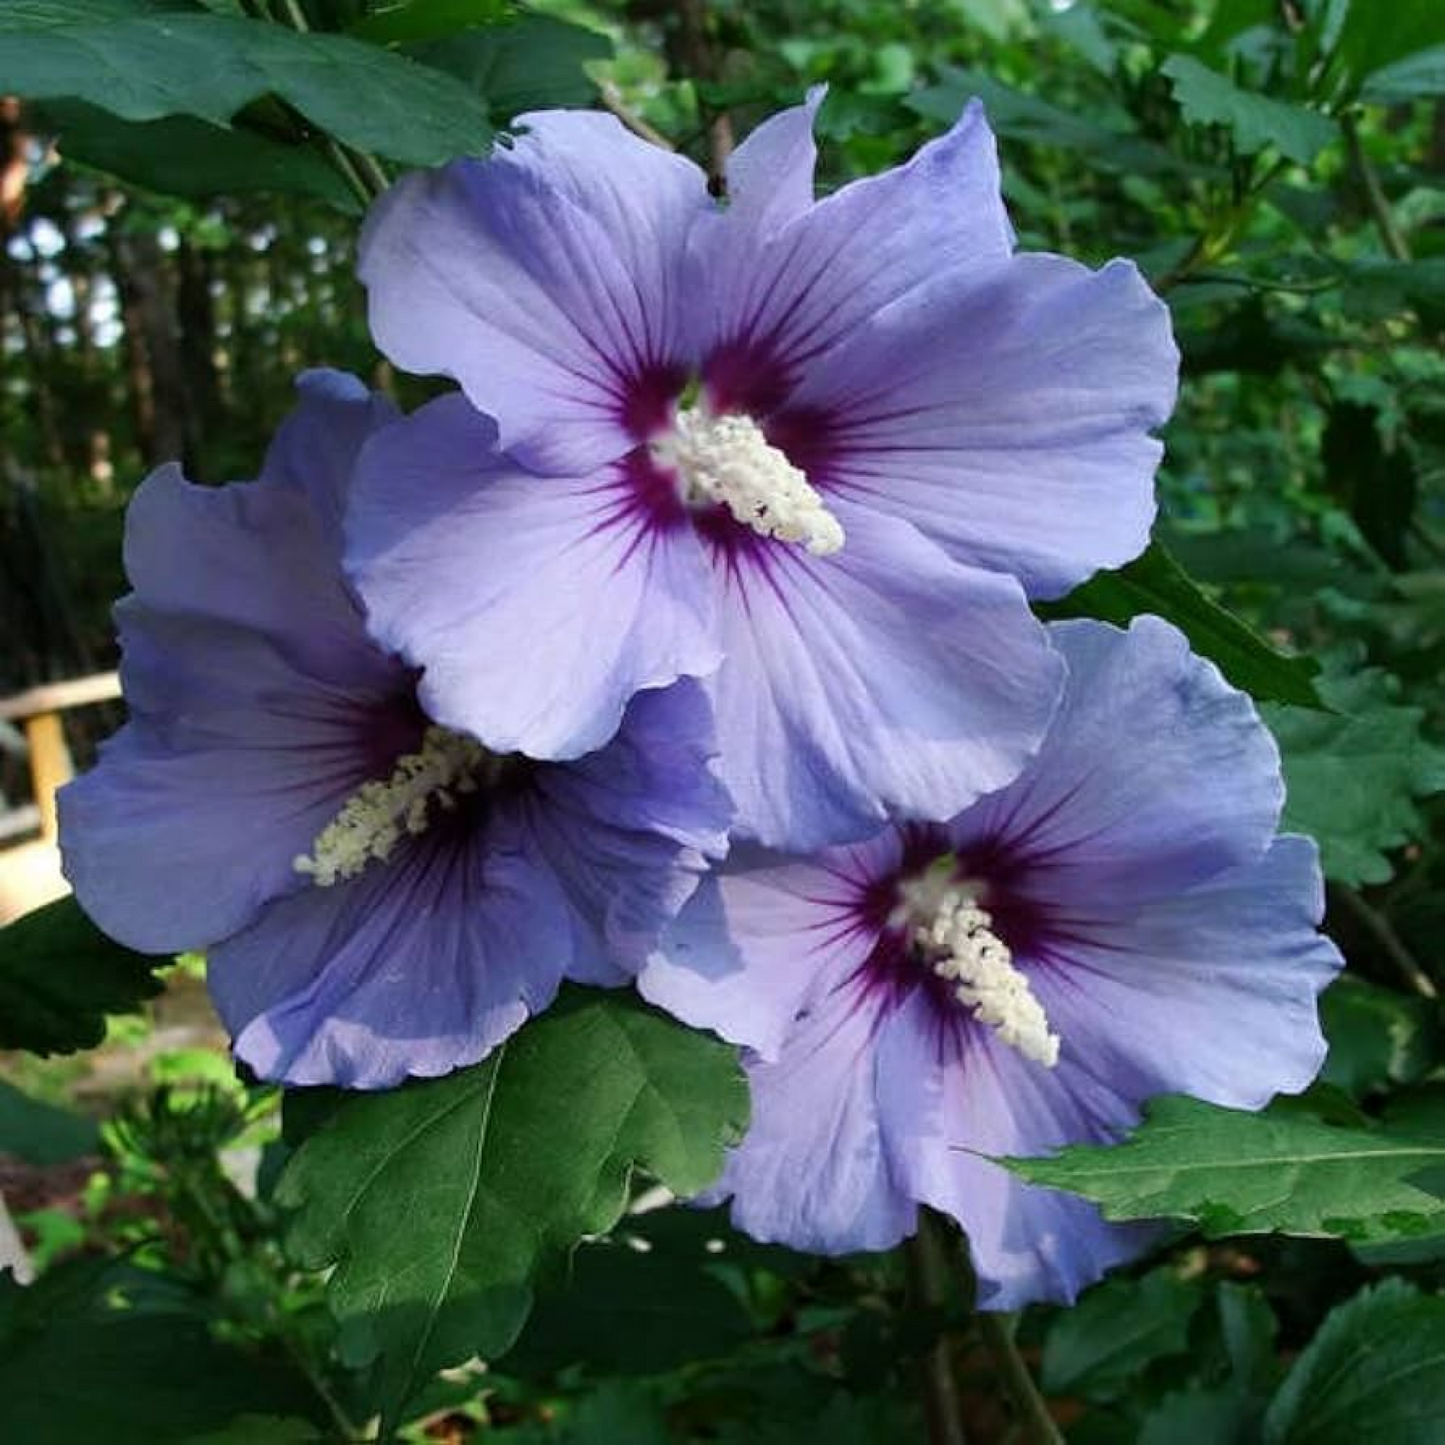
(1119, 1330)
(1276, 171)
(1378, 1037)
(1375, 1371)
(40, 1133)
(1235, 1173)
(627, 1307)
(181, 156)
(1155, 583)
(95, 1351)
(495, 1169)
(1353, 775)
(59, 977)
(1253, 121)
(211, 67)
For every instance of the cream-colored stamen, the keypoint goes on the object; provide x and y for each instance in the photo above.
(955, 938)
(727, 459)
(380, 814)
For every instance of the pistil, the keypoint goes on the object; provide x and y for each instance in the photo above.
(380, 814)
(954, 938)
(727, 460)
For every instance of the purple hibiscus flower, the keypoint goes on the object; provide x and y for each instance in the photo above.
(379, 895)
(1122, 921)
(809, 447)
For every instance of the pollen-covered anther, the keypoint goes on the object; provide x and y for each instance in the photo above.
(727, 459)
(955, 938)
(376, 817)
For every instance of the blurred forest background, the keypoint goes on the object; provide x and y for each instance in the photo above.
(1277, 167)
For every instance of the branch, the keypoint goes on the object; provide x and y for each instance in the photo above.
(1391, 945)
(613, 102)
(699, 57)
(928, 1282)
(1390, 233)
(1033, 1411)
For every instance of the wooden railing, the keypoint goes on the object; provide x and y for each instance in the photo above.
(38, 710)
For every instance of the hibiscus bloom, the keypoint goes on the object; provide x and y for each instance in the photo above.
(811, 445)
(379, 895)
(1122, 921)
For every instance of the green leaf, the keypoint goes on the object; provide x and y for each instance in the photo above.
(1377, 1036)
(1353, 775)
(1021, 116)
(495, 1169)
(1235, 1173)
(1377, 484)
(1410, 79)
(531, 64)
(1384, 52)
(844, 1419)
(625, 1310)
(1253, 121)
(1155, 583)
(417, 20)
(618, 1412)
(20, 15)
(1375, 1371)
(1116, 1331)
(95, 1352)
(1219, 1415)
(209, 66)
(40, 1133)
(1377, 289)
(261, 1430)
(60, 976)
(180, 156)
(1240, 1342)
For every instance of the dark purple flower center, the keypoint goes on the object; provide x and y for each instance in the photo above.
(948, 923)
(706, 457)
(421, 777)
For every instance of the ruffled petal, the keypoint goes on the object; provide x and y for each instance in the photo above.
(762, 936)
(537, 607)
(882, 681)
(1211, 992)
(1005, 411)
(629, 829)
(1155, 776)
(257, 706)
(315, 448)
(770, 175)
(546, 280)
(249, 555)
(950, 1094)
(811, 1171)
(770, 299)
(417, 966)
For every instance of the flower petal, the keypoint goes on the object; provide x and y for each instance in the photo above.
(1155, 775)
(315, 448)
(1005, 412)
(249, 555)
(538, 607)
(545, 280)
(811, 1171)
(1211, 992)
(948, 1096)
(770, 175)
(881, 681)
(771, 299)
(629, 829)
(761, 936)
(417, 966)
(246, 669)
